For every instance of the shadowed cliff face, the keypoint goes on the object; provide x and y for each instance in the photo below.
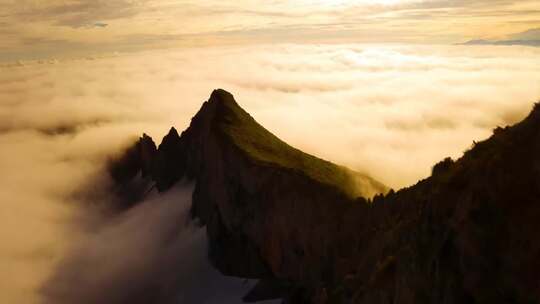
(305, 228)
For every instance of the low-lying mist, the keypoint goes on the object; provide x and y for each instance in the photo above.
(152, 253)
(390, 111)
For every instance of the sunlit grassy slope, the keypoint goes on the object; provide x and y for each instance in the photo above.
(264, 147)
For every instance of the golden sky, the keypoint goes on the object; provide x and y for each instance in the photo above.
(45, 28)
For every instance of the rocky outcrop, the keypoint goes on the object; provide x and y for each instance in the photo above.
(136, 160)
(309, 230)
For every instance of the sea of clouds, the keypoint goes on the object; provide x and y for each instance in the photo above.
(390, 111)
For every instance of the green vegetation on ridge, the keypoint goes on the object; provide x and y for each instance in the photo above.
(263, 146)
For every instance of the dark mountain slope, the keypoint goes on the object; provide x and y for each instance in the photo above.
(467, 234)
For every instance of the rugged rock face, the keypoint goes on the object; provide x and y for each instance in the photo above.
(309, 230)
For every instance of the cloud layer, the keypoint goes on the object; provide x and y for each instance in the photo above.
(390, 111)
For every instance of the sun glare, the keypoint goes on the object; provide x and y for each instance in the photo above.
(356, 2)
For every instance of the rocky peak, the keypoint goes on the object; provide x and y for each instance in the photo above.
(138, 157)
(171, 137)
(222, 96)
(147, 150)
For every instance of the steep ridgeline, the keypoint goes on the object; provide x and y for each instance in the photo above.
(304, 227)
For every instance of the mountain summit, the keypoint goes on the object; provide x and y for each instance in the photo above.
(221, 123)
(310, 232)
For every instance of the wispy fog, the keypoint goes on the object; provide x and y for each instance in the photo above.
(152, 253)
(390, 111)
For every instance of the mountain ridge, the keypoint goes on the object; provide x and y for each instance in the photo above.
(466, 234)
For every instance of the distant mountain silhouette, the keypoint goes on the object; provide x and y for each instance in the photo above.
(529, 37)
(315, 232)
(502, 42)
